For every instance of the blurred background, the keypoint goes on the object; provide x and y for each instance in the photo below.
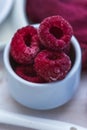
(15, 14)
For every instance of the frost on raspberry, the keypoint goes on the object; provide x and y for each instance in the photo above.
(52, 66)
(55, 33)
(24, 45)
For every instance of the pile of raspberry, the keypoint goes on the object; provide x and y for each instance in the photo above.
(42, 54)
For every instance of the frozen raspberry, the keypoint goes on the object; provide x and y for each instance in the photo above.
(52, 66)
(28, 73)
(24, 45)
(55, 33)
(84, 55)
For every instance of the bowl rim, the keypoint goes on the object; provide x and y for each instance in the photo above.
(77, 63)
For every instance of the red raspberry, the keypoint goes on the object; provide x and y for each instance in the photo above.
(52, 66)
(28, 73)
(84, 55)
(55, 33)
(24, 45)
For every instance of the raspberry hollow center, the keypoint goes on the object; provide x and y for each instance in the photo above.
(27, 39)
(56, 32)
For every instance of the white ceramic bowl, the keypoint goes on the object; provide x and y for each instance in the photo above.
(5, 7)
(45, 95)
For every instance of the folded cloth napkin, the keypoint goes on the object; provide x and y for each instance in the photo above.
(75, 11)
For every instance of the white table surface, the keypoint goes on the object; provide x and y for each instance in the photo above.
(75, 111)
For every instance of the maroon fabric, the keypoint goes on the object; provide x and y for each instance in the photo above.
(75, 11)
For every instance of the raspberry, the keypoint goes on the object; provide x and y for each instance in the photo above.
(24, 45)
(52, 66)
(55, 33)
(28, 73)
(84, 55)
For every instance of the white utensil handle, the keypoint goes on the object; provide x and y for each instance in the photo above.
(35, 122)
